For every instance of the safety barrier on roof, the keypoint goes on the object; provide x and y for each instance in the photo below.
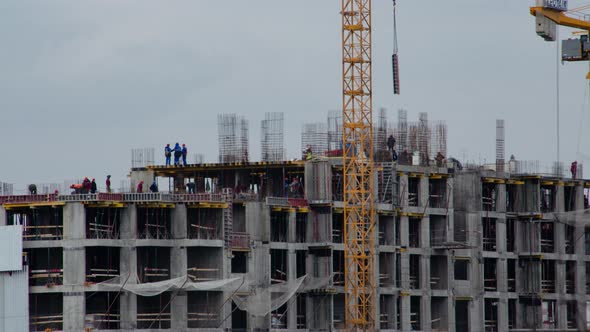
(118, 197)
(286, 201)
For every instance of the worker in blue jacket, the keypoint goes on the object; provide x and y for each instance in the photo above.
(184, 152)
(177, 154)
(167, 154)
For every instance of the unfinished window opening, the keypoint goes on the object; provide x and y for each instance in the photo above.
(203, 309)
(301, 311)
(491, 315)
(205, 223)
(338, 267)
(386, 231)
(385, 184)
(203, 263)
(547, 237)
(460, 228)
(398, 238)
(571, 314)
(102, 310)
(549, 314)
(438, 231)
(510, 235)
(547, 198)
(337, 186)
(489, 234)
(278, 265)
(439, 313)
(587, 277)
(153, 264)
(39, 223)
(46, 312)
(569, 198)
(415, 312)
(153, 223)
(513, 198)
(398, 269)
(548, 276)
(461, 269)
(438, 193)
(570, 241)
(301, 227)
(153, 312)
(102, 263)
(438, 272)
(489, 195)
(239, 318)
(511, 313)
(489, 274)
(587, 240)
(300, 258)
(414, 271)
(279, 222)
(414, 232)
(570, 277)
(45, 266)
(103, 223)
(386, 309)
(386, 264)
(511, 274)
(338, 312)
(461, 316)
(413, 191)
(239, 218)
(337, 228)
(278, 318)
(239, 262)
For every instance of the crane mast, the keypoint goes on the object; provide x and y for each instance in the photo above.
(357, 144)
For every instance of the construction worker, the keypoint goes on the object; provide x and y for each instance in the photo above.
(86, 186)
(167, 154)
(177, 154)
(154, 187)
(439, 159)
(184, 151)
(108, 183)
(574, 169)
(93, 187)
(308, 153)
(33, 189)
(139, 187)
(391, 144)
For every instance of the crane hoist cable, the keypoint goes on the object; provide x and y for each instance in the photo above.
(394, 56)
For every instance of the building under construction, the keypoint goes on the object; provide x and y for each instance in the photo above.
(253, 246)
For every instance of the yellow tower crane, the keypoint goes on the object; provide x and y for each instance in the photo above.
(357, 143)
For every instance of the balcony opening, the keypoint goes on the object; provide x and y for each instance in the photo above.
(511, 313)
(203, 309)
(489, 196)
(439, 313)
(279, 222)
(301, 311)
(46, 311)
(415, 312)
(238, 218)
(398, 313)
(278, 318)
(437, 193)
(398, 237)
(153, 312)
(203, 263)
(278, 265)
(438, 231)
(337, 228)
(570, 242)
(103, 223)
(386, 264)
(338, 318)
(569, 198)
(301, 227)
(204, 223)
(386, 231)
(337, 186)
(511, 274)
(570, 277)
(413, 191)
(491, 315)
(153, 223)
(547, 198)
(587, 277)
(460, 229)
(415, 271)
(461, 316)
(510, 235)
(548, 310)
(153, 264)
(414, 236)
(102, 311)
(387, 311)
(102, 263)
(438, 272)
(398, 269)
(490, 272)
(45, 266)
(39, 223)
(548, 276)
(300, 258)
(338, 267)
(514, 198)
(547, 237)
(489, 234)
(239, 318)
(239, 262)
(461, 269)
(571, 314)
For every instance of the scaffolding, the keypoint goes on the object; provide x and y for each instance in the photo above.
(315, 136)
(232, 138)
(499, 145)
(142, 157)
(6, 188)
(271, 137)
(380, 132)
(421, 140)
(198, 158)
(335, 132)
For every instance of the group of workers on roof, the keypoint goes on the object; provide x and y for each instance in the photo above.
(179, 152)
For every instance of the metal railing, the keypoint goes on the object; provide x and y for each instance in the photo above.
(126, 197)
(240, 240)
(286, 201)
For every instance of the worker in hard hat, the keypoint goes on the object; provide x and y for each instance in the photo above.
(167, 154)
(184, 152)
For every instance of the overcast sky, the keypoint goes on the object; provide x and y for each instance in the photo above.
(84, 82)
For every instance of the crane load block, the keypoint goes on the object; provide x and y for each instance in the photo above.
(395, 66)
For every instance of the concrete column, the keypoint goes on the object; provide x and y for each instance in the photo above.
(561, 314)
(502, 314)
(559, 199)
(403, 184)
(425, 314)
(257, 221)
(424, 192)
(405, 314)
(129, 222)
(502, 275)
(425, 232)
(501, 235)
(74, 266)
(128, 268)
(74, 215)
(128, 307)
(291, 275)
(179, 222)
(425, 273)
(178, 306)
(476, 314)
(3, 220)
(291, 237)
(404, 230)
(73, 311)
(501, 198)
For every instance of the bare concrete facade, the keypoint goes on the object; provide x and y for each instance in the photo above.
(457, 250)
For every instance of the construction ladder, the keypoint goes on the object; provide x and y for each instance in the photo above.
(228, 218)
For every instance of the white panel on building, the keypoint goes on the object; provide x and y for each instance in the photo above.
(11, 248)
(14, 301)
